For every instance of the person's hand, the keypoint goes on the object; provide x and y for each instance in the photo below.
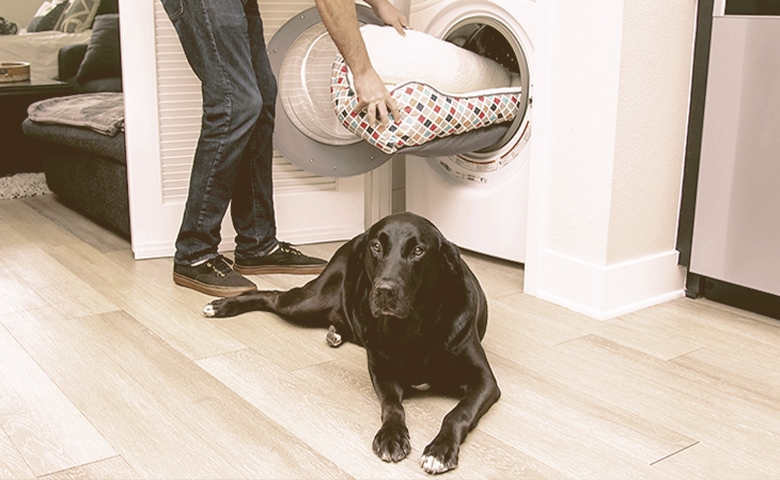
(388, 13)
(372, 95)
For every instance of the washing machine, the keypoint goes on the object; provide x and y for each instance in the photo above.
(479, 200)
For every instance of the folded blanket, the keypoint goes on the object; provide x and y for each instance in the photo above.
(102, 112)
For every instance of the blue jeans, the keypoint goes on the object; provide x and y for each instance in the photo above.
(224, 44)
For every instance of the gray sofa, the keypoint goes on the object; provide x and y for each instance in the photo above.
(86, 169)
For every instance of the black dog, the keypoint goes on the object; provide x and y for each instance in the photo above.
(401, 291)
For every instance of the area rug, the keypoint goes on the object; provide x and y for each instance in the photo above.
(23, 185)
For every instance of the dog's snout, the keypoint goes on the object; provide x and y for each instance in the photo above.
(385, 289)
(387, 298)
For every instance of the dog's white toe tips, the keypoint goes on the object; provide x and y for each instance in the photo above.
(432, 465)
(208, 310)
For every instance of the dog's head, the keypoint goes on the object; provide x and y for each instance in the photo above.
(404, 255)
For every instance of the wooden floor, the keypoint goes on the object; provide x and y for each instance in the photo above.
(108, 370)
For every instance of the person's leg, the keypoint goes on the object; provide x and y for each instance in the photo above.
(252, 207)
(257, 250)
(215, 38)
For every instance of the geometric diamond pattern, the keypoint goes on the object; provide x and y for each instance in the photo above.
(426, 113)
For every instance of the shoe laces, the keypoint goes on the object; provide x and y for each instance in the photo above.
(221, 266)
(285, 247)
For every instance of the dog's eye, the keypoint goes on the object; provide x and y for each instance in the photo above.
(418, 251)
(376, 247)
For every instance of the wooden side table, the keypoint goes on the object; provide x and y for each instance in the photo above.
(15, 97)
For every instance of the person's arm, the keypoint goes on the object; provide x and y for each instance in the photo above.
(340, 18)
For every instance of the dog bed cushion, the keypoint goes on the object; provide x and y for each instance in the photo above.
(462, 92)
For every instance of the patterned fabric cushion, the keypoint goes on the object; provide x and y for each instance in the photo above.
(79, 16)
(427, 113)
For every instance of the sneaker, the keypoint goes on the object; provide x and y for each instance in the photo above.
(213, 277)
(285, 259)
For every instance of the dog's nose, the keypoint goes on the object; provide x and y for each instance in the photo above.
(385, 289)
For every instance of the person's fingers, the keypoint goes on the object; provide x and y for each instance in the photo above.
(394, 111)
(383, 119)
(371, 114)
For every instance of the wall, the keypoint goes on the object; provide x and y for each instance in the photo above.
(19, 11)
(610, 109)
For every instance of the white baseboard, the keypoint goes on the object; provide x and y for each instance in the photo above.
(153, 250)
(604, 292)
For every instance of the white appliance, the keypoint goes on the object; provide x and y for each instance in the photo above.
(479, 200)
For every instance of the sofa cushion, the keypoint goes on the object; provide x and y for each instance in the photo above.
(102, 58)
(81, 138)
(47, 16)
(78, 16)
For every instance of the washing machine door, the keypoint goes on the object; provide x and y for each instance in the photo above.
(307, 131)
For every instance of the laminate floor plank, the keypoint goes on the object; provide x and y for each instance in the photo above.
(288, 346)
(15, 294)
(44, 425)
(155, 444)
(482, 455)
(707, 462)
(35, 228)
(100, 237)
(665, 393)
(11, 237)
(173, 313)
(237, 431)
(599, 436)
(650, 333)
(59, 286)
(12, 463)
(536, 320)
(715, 326)
(108, 469)
(595, 418)
(498, 278)
(334, 415)
(749, 371)
(333, 408)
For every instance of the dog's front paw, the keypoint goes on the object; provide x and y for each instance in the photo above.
(439, 456)
(391, 443)
(218, 308)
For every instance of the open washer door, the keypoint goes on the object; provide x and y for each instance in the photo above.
(308, 133)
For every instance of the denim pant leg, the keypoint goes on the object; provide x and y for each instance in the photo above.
(253, 208)
(217, 40)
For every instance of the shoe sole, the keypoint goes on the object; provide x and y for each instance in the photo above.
(214, 291)
(279, 269)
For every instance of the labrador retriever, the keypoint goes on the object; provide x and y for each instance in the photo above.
(401, 291)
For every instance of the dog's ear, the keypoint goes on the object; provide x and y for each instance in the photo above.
(357, 247)
(450, 255)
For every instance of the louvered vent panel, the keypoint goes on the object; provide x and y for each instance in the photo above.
(179, 99)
